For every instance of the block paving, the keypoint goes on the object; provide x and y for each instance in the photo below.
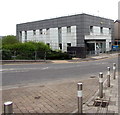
(51, 98)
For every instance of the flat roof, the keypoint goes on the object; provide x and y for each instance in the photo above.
(67, 16)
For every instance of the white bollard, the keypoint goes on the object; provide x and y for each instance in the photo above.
(8, 108)
(114, 70)
(80, 101)
(108, 77)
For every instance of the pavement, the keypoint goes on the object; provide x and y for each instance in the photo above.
(61, 96)
(74, 60)
(91, 58)
(110, 97)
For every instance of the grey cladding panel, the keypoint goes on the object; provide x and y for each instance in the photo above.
(82, 21)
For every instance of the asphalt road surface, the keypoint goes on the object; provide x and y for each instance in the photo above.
(24, 74)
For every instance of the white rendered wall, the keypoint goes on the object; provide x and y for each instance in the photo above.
(51, 36)
(53, 40)
(108, 46)
(30, 36)
(23, 36)
(96, 31)
(68, 37)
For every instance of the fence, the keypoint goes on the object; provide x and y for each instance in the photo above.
(96, 53)
(34, 55)
(43, 55)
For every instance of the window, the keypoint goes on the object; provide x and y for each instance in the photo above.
(91, 29)
(101, 30)
(47, 30)
(48, 44)
(34, 32)
(20, 34)
(59, 29)
(68, 29)
(59, 35)
(109, 30)
(40, 31)
(25, 36)
(68, 44)
(60, 46)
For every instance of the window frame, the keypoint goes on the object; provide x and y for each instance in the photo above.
(41, 31)
(34, 32)
(91, 29)
(68, 29)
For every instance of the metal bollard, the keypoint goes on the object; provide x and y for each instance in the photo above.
(114, 70)
(108, 77)
(8, 108)
(80, 103)
(101, 85)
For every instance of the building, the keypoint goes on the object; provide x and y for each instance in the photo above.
(91, 33)
(117, 28)
(117, 32)
(119, 10)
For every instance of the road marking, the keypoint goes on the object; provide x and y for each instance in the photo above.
(44, 68)
(21, 69)
(2, 70)
(102, 63)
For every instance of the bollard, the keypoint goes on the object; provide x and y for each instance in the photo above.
(114, 70)
(101, 85)
(8, 108)
(80, 103)
(108, 77)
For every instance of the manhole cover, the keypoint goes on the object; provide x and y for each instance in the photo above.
(101, 103)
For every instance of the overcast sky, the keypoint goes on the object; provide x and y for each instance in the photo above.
(20, 11)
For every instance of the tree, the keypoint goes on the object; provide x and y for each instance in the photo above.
(10, 39)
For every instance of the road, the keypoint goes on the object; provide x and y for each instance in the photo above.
(24, 74)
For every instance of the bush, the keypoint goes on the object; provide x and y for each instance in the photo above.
(31, 50)
(10, 39)
(6, 54)
(57, 55)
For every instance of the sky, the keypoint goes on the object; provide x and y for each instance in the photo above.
(20, 11)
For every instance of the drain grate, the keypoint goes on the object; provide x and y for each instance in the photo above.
(101, 103)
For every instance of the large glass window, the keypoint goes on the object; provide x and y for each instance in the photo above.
(47, 31)
(48, 44)
(34, 32)
(20, 34)
(68, 29)
(41, 31)
(101, 30)
(109, 30)
(25, 36)
(91, 29)
(59, 35)
(68, 44)
(60, 46)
